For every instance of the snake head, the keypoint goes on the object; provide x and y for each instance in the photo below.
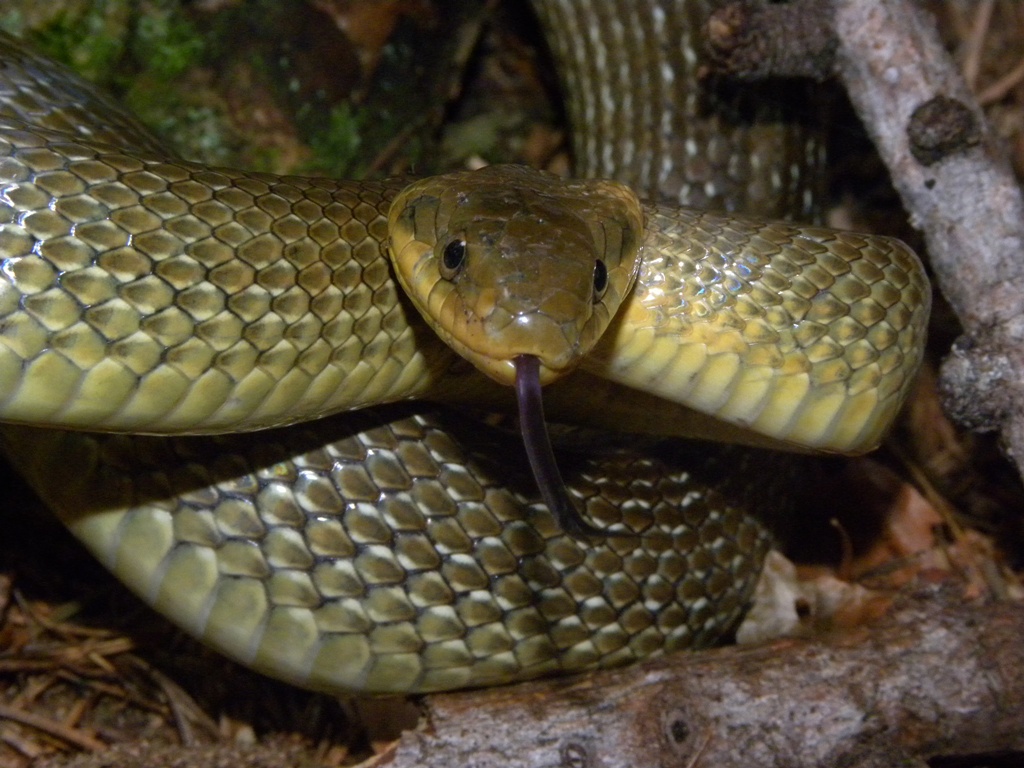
(508, 261)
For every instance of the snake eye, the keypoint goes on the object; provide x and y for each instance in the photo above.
(452, 258)
(600, 279)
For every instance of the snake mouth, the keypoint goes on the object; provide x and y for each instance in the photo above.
(506, 371)
(540, 453)
(498, 360)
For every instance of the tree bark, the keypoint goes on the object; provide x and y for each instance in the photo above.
(933, 679)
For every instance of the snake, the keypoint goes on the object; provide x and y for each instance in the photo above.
(225, 383)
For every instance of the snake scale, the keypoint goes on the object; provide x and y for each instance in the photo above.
(403, 548)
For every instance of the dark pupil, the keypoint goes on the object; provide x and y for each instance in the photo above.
(600, 277)
(454, 254)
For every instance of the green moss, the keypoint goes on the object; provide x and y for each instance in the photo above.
(90, 39)
(12, 20)
(166, 43)
(337, 147)
(161, 62)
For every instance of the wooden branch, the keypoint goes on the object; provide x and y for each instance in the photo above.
(956, 182)
(933, 679)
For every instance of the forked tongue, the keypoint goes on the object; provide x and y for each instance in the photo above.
(540, 453)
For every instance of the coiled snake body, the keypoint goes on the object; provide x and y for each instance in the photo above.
(400, 549)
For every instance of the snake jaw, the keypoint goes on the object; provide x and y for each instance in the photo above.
(503, 367)
(540, 453)
(506, 370)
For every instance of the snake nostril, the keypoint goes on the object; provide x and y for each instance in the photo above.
(600, 279)
(452, 258)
